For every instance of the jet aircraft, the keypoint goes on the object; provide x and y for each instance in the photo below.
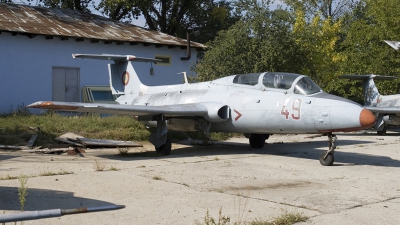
(385, 107)
(256, 104)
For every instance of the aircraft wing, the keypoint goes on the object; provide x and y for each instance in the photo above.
(387, 110)
(211, 111)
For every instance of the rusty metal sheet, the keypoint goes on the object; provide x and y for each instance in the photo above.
(26, 19)
(108, 143)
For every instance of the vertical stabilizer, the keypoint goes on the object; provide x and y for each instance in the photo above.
(123, 78)
(371, 93)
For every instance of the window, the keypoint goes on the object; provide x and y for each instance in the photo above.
(247, 79)
(279, 80)
(98, 94)
(166, 60)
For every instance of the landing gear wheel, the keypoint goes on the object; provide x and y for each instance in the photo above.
(257, 140)
(164, 149)
(383, 131)
(326, 159)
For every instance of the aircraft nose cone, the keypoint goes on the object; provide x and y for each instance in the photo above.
(367, 119)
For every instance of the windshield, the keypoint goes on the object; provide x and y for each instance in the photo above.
(305, 86)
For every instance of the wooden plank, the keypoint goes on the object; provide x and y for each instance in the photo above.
(108, 143)
(32, 140)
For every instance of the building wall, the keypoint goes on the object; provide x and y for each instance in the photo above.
(26, 66)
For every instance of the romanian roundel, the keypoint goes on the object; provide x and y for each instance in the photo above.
(125, 78)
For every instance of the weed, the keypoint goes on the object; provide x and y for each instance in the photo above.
(216, 159)
(98, 166)
(123, 151)
(241, 208)
(222, 220)
(142, 166)
(157, 178)
(61, 172)
(112, 168)
(22, 190)
(8, 177)
(288, 218)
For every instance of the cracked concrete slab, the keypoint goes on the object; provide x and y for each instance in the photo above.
(246, 184)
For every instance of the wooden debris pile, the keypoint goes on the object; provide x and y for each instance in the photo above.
(73, 144)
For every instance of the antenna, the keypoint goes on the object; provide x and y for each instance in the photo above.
(184, 75)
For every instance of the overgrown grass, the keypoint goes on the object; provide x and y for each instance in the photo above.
(42, 174)
(287, 218)
(22, 190)
(17, 128)
(61, 172)
(19, 125)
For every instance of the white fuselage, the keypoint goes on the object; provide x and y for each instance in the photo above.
(257, 109)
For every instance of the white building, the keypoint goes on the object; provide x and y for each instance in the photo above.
(36, 45)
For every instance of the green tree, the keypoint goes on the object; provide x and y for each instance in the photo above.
(325, 9)
(318, 40)
(364, 50)
(260, 41)
(80, 5)
(175, 17)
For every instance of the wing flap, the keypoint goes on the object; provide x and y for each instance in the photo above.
(213, 112)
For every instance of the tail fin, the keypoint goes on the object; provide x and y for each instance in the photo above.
(123, 77)
(394, 44)
(371, 93)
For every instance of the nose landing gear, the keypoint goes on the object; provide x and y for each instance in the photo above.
(326, 158)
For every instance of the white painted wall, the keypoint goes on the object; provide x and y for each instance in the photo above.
(26, 66)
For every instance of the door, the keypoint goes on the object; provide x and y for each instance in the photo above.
(65, 84)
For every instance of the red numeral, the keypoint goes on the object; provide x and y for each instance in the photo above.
(296, 105)
(285, 112)
(296, 108)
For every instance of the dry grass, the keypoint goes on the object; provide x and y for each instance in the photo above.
(98, 166)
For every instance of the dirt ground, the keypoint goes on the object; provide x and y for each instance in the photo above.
(362, 187)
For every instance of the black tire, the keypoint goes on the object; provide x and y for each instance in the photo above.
(164, 149)
(329, 159)
(383, 131)
(257, 140)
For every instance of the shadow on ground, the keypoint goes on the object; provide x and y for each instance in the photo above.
(304, 150)
(42, 199)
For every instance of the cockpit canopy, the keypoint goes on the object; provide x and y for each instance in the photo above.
(277, 80)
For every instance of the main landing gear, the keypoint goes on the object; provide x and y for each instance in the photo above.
(326, 158)
(382, 130)
(258, 140)
(164, 149)
(160, 138)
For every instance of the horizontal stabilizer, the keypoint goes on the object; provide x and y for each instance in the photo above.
(387, 110)
(394, 44)
(365, 77)
(115, 57)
